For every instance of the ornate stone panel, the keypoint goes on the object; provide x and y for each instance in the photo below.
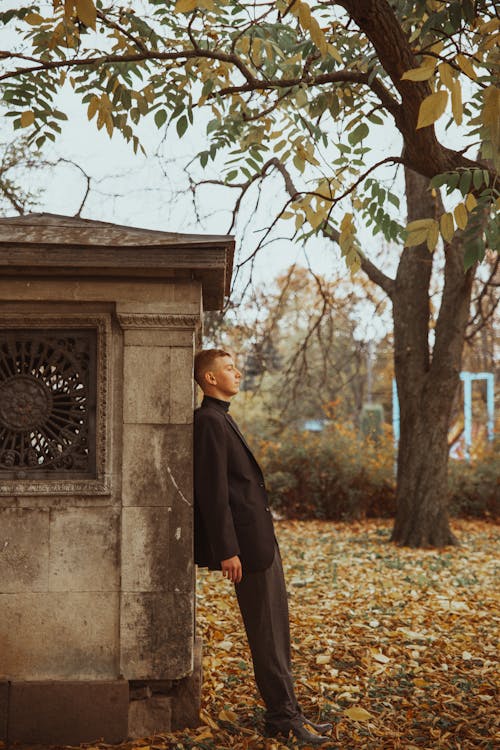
(53, 404)
(47, 403)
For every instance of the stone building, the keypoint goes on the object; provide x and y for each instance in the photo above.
(98, 326)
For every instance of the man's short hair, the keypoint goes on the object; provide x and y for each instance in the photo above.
(204, 360)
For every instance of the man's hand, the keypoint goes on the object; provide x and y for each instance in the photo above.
(231, 569)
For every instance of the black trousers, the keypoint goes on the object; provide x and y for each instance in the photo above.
(263, 603)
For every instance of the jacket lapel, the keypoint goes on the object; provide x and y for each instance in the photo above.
(237, 431)
(234, 426)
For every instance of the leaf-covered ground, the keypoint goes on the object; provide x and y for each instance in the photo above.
(398, 648)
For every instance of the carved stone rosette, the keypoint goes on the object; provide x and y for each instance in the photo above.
(53, 404)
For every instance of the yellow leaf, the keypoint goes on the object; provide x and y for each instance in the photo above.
(34, 19)
(243, 44)
(419, 682)
(418, 74)
(93, 107)
(466, 66)
(470, 202)
(207, 719)
(461, 217)
(204, 734)
(491, 114)
(346, 223)
(299, 163)
(304, 15)
(357, 713)
(380, 657)
(333, 52)
(227, 715)
(492, 25)
(257, 51)
(416, 238)
(318, 37)
(299, 220)
(27, 118)
(446, 74)
(354, 263)
(432, 236)
(456, 102)
(86, 12)
(447, 227)
(108, 121)
(432, 108)
(185, 6)
(323, 658)
(414, 226)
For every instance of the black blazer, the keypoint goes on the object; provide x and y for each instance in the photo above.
(231, 509)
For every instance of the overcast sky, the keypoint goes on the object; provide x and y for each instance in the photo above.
(151, 191)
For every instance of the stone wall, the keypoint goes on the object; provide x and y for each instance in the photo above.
(96, 577)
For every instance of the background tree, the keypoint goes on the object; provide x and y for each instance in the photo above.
(298, 90)
(17, 160)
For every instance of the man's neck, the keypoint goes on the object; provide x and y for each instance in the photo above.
(222, 403)
(215, 393)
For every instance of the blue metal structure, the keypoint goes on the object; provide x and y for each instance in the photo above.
(467, 378)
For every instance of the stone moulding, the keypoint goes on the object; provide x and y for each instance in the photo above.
(101, 484)
(171, 321)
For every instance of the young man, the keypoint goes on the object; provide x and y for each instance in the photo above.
(234, 533)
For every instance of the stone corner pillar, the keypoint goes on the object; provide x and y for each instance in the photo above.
(157, 585)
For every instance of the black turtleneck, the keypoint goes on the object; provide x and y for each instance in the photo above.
(210, 399)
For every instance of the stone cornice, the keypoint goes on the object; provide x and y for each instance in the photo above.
(165, 321)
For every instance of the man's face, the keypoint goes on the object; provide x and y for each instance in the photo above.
(224, 376)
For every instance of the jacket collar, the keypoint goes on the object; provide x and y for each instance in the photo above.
(217, 402)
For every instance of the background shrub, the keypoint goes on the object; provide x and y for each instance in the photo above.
(475, 486)
(335, 474)
(338, 474)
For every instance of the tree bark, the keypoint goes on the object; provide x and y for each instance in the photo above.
(422, 150)
(426, 384)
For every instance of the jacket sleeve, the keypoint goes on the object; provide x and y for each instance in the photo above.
(211, 486)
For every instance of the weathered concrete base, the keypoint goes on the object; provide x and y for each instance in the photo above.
(68, 712)
(187, 696)
(166, 705)
(76, 711)
(149, 715)
(4, 709)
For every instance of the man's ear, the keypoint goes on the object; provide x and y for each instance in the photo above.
(210, 377)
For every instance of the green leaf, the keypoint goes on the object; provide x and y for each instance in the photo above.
(181, 125)
(477, 178)
(207, 87)
(465, 182)
(474, 253)
(439, 180)
(452, 182)
(160, 117)
(357, 135)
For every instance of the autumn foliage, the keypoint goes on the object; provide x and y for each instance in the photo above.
(339, 474)
(336, 474)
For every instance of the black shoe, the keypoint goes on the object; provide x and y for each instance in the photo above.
(299, 731)
(324, 727)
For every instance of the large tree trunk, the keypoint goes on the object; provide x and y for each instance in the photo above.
(426, 384)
